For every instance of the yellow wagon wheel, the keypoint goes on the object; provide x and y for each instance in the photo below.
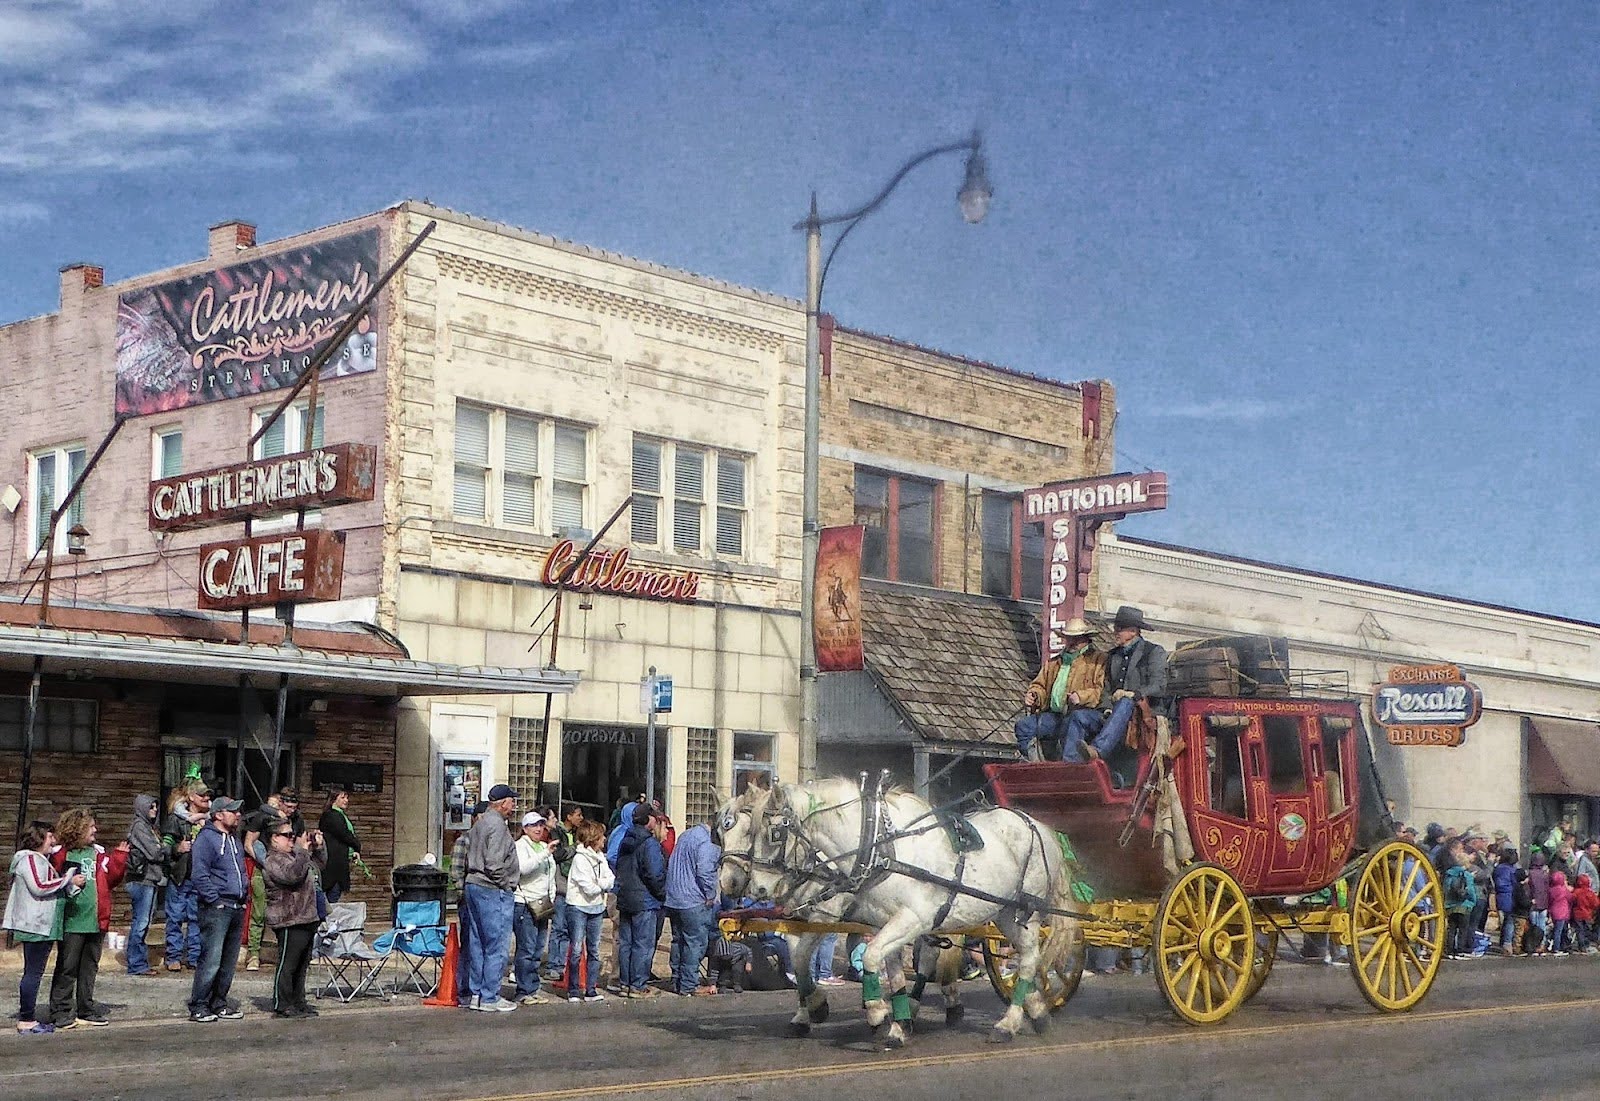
(1059, 984)
(1397, 927)
(1205, 942)
(1261, 962)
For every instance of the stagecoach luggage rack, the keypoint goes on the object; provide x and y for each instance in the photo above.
(1259, 666)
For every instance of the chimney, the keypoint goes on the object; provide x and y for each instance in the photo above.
(77, 278)
(228, 238)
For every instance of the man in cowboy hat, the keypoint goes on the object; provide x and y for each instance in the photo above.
(1135, 670)
(1071, 679)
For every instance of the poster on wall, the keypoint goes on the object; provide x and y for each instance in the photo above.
(463, 790)
(836, 599)
(246, 329)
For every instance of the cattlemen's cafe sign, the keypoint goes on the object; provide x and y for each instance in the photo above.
(1072, 513)
(1426, 705)
(291, 567)
(334, 475)
(612, 571)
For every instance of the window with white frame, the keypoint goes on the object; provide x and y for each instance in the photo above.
(288, 433)
(166, 453)
(519, 470)
(706, 496)
(52, 471)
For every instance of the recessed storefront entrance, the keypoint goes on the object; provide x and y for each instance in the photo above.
(604, 762)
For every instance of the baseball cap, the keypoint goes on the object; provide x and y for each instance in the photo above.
(222, 804)
(290, 794)
(501, 791)
(199, 788)
(534, 818)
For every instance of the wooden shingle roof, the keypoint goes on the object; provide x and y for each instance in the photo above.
(955, 664)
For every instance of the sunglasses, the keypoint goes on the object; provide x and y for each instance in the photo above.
(287, 833)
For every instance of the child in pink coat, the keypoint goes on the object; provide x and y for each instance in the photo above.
(1560, 911)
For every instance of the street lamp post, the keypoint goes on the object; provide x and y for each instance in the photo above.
(974, 198)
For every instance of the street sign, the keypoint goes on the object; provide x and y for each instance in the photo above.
(655, 694)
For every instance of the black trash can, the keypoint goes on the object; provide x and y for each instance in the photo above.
(422, 883)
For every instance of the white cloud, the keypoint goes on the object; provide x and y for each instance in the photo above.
(517, 53)
(1246, 410)
(132, 84)
(23, 211)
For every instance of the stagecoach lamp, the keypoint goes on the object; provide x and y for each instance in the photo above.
(77, 539)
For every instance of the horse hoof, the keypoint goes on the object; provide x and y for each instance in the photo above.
(893, 1043)
(819, 1014)
(953, 1014)
(799, 1028)
(1041, 1024)
(1000, 1036)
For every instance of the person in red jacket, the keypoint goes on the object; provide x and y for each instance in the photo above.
(1585, 904)
(87, 918)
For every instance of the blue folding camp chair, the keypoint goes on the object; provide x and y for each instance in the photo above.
(417, 940)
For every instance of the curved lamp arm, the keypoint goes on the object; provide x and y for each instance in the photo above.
(975, 190)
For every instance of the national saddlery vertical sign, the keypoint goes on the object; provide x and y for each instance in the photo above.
(245, 329)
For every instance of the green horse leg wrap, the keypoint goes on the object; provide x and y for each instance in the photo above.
(902, 1007)
(871, 987)
(1020, 994)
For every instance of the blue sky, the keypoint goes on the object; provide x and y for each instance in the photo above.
(1339, 260)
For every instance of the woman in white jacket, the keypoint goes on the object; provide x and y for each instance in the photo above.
(587, 883)
(535, 902)
(34, 915)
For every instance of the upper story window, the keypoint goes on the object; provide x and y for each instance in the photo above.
(706, 496)
(166, 453)
(288, 433)
(51, 473)
(900, 515)
(1013, 552)
(519, 470)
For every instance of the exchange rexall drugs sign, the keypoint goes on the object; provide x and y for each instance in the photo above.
(1426, 705)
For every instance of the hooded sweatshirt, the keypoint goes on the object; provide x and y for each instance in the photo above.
(1585, 903)
(1539, 883)
(144, 840)
(1560, 897)
(614, 841)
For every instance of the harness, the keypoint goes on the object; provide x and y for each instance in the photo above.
(801, 863)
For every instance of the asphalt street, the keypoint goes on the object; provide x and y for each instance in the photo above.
(1525, 1029)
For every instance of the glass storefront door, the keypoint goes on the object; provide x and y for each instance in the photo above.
(603, 765)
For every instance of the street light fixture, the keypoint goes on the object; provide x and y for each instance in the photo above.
(974, 198)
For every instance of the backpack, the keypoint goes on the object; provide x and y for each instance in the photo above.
(1457, 887)
(138, 865)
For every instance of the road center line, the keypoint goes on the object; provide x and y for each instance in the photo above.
(1027, 1050)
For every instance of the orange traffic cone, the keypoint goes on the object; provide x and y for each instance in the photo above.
(445, 993)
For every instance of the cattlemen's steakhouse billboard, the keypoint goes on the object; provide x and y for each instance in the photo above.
(245, 329)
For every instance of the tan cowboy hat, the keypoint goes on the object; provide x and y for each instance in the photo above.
(1077, 627)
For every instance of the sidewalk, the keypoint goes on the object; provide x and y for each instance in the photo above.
(165, 997)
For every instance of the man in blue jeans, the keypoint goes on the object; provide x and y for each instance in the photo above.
(692, 905)
(217, 871)
(144, 845)
(182, 910)
(491, 879)
(1135, 670)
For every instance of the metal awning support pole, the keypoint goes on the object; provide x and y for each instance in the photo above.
(28, 722)
(49, 545)
(277, 728)
(555, 632)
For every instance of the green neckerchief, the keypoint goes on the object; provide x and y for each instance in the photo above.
(1058, 691)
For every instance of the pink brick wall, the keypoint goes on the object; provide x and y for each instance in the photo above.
(57, 376)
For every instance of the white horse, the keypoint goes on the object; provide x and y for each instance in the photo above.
(807, 848)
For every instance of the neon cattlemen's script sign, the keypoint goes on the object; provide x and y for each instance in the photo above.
(611, 571)
(1072, 513)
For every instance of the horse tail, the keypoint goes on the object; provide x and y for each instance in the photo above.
(1063, 949)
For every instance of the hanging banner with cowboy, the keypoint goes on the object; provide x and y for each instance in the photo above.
(836, 633)
(245, 329)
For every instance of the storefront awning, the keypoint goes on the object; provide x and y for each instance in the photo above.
(178, 647)
(1563, 757)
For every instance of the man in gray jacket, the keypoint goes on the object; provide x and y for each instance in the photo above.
(491, 879)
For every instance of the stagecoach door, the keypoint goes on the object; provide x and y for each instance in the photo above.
(1283, 757)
